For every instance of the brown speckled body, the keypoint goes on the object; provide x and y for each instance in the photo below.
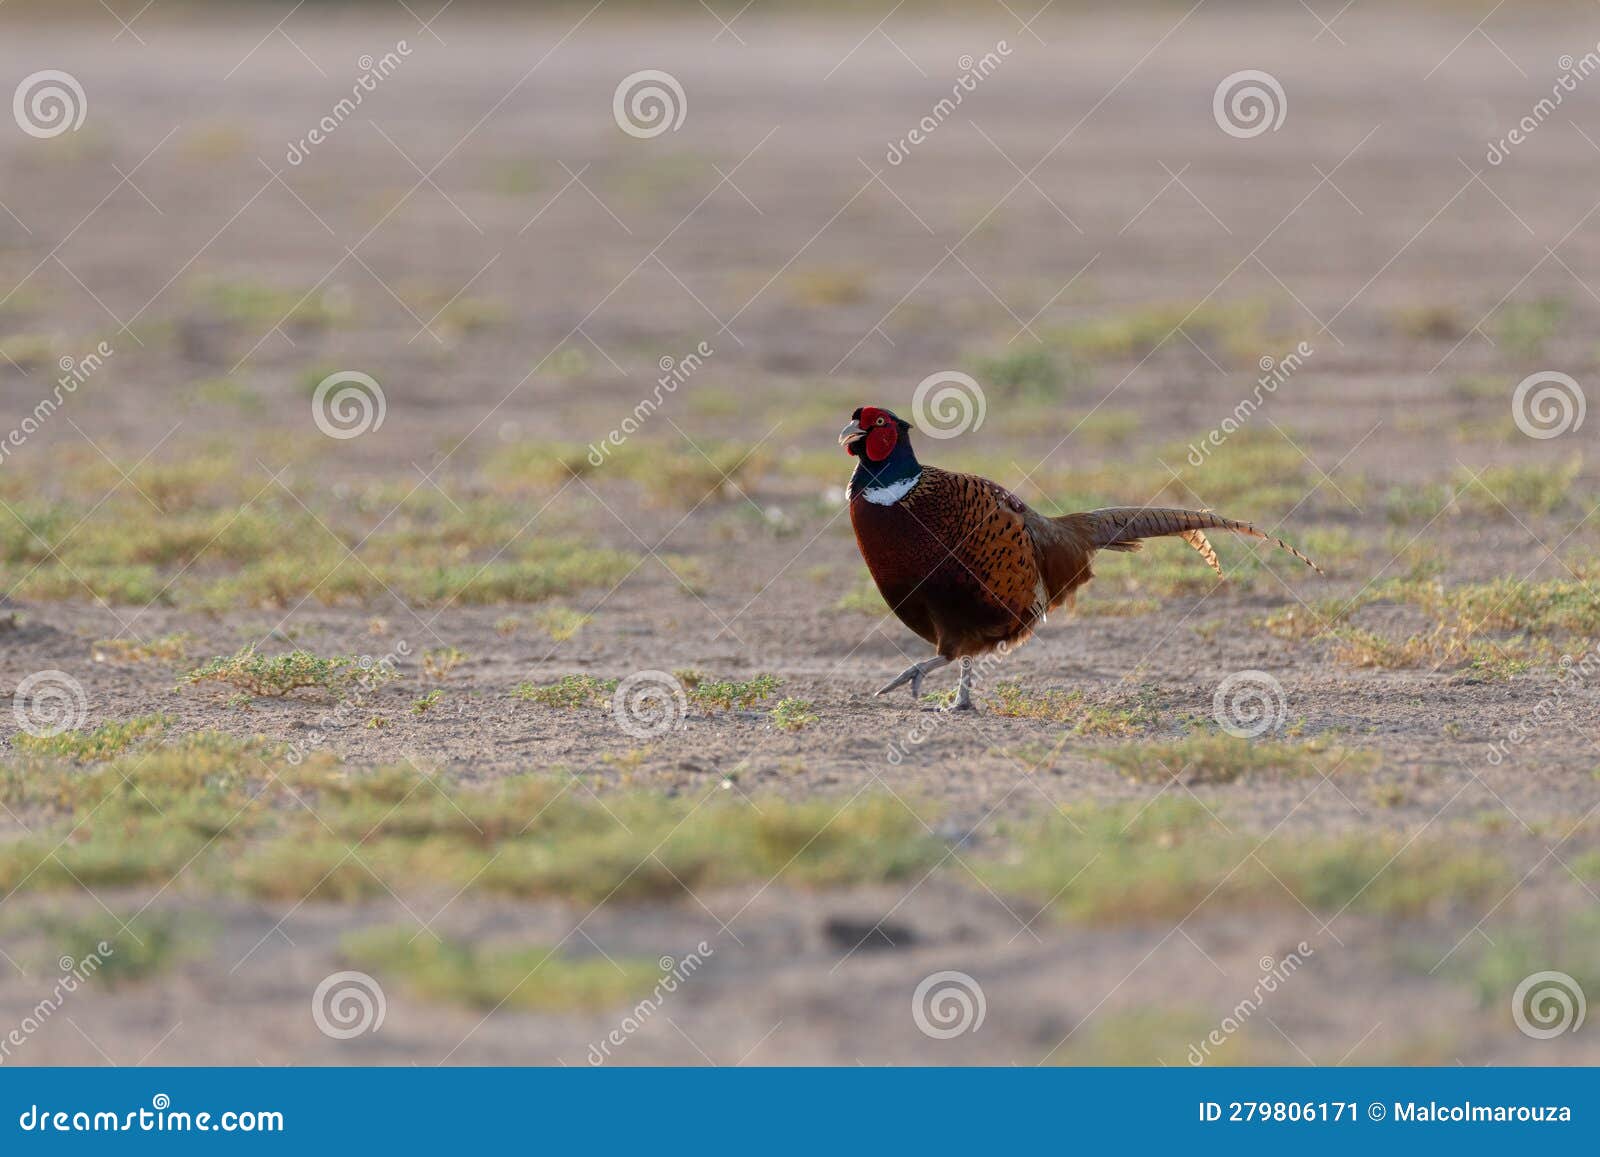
(966, 564)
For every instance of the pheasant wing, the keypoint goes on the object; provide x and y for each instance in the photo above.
(987, 581)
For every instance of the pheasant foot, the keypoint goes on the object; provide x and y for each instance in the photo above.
(914, 675)
(963, 700)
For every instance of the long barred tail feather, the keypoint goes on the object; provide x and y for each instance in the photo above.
(1121, 528)
(1198, 540)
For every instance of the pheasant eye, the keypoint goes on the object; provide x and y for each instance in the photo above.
(880, 422)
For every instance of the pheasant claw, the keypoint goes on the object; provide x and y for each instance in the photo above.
(914, 675)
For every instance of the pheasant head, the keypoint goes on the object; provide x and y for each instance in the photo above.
(880, 442)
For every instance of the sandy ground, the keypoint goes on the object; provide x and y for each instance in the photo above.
(1087, 175)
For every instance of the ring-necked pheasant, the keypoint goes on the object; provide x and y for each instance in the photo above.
(968, 565)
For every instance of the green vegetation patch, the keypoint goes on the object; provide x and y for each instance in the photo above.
(1088, 718)
(726, 694)
(278, 675)
(560, 623)
(198, 542)
(487, 976)
(793, 715)
(1518, 492)
(1523, 327)
(700, 691)
(1163, 860)
(90, 746)
(1135, 333)
(248, 302)
(153, 942)
(1216, 757)
(1440, 647)
(439, 663)
(1033, 372)
(675, 474)
(171, 648)
(209, 815)
(1512, 951)
(1516, 605)
(528, 838)
(1498, 629)
(1162, 1034)
(568, 691)
(213, 814)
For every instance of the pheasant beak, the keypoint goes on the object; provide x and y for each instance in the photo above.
(851, 433)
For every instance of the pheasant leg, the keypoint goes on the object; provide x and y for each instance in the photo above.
(964, 688)
(913, 675)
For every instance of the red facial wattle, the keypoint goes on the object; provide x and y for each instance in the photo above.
(881, 441)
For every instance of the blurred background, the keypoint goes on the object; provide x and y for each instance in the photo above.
(386, 383)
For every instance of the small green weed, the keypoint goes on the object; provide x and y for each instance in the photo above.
(792, 715)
